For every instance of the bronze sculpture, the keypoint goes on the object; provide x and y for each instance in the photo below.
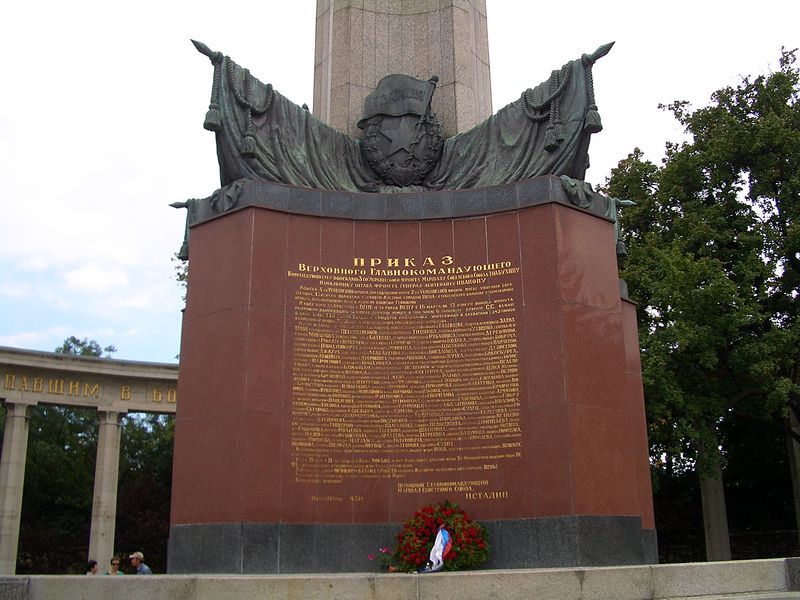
(262, 135)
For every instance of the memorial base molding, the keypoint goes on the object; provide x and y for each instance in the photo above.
(246, 548)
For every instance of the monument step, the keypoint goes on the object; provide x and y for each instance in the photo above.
(746, 596)
(772, 579)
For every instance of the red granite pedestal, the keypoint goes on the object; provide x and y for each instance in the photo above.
(338, 374)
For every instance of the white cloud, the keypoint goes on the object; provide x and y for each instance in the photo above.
(139, 300)
(96, 278)
(33, 265)
(15, 290)
(31, 339)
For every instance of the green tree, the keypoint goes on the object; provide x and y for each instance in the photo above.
(57, 498)
(84, 347)
(181, 274)
(145, 486)
(713, 256)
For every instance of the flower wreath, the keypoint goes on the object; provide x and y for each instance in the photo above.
(470, 541)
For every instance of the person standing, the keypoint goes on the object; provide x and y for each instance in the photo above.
(137, 561)
(114, 568)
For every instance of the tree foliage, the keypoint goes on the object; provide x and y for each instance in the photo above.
(181, 274)
(714, 262)
(145, 485)
(84, 347)
(57, 497)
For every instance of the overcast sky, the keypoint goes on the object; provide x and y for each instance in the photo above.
(102, 105)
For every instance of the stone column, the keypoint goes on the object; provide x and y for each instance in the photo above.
(12, 479)
(794, 465)
(104, 502)
(361, 41)
(715, 513)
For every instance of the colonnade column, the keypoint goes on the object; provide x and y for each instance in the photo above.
(12, 479)
(104, 500)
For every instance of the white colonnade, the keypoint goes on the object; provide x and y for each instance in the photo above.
(112, 387)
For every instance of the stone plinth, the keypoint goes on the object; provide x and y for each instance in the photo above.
(339, 373)
(361, 41)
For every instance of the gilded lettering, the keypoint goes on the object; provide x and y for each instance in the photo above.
(55, 386)
(424, 320)
(494, 495)
(157, 395)
(172, 396)
(124, 392)
(74, 388)
(10, 381)
(23, 384)
(38, 384)
(91, 392)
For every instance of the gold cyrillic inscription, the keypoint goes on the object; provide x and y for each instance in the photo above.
(83, 389)
(405, 377)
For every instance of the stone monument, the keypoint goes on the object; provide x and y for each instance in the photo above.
(422, 313)
(360, 42)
